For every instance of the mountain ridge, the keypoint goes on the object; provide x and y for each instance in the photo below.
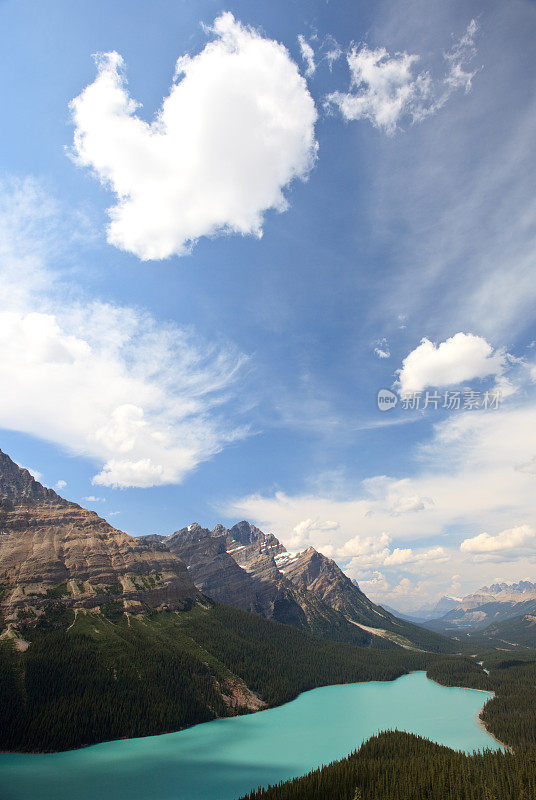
(54, 551)
(252, 570)
(488, 605)
(51, 549)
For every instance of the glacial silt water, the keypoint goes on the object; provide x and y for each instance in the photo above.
(226, 758)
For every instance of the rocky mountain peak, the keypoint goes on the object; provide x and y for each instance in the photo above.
(192, 533)
(246, 533)
(244, 567)
(219, 530)
(52, 550)
(513, 588)
(19, 487)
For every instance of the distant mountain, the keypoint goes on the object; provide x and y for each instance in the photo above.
(490, 604)
(427, 611)
(505, 593)
(519, 631)
(246, 568)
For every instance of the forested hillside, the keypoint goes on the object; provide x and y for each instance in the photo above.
(107, 675)
(400, 766)
(517, 631)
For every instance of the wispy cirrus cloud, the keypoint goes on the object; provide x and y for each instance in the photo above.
(386, 88)
(308, 55)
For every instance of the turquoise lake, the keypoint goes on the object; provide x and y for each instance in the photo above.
(224, 759)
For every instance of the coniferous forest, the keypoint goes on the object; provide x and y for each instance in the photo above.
(107, 675)
(400, 766)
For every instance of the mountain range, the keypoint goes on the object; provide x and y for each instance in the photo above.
(246, 568)
(501, 612)
(427, 611)
(105, 635)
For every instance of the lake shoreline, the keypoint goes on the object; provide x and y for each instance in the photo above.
(479, 721)
(206, 722)
(230, 756)
(481, 724)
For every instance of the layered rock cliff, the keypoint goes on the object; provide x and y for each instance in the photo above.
(53, 549)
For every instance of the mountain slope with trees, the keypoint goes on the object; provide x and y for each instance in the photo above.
(106, 675)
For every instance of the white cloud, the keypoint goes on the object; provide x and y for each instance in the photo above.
(406, 593)
(463, 50)
(332, 51)
(236, 128)
(34, 473)
(305, 532)
(382, 349)
(385, 88)
(30, 240)
(174, 379)
(394, 496)
(308, 55)
(92, 499)
(461, 358)
(410, 504)
(377, 552)
(60, 485)
(465, 478)
(140, 398)
(509, 540)
(371, 549)
(371, 581)
(528, 466)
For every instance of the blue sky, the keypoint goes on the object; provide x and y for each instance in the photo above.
(177, 365)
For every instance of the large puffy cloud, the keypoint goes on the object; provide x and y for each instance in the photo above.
(386, 89)
(140, 398)
(512, 539)
(236, 128)
(461, 358)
